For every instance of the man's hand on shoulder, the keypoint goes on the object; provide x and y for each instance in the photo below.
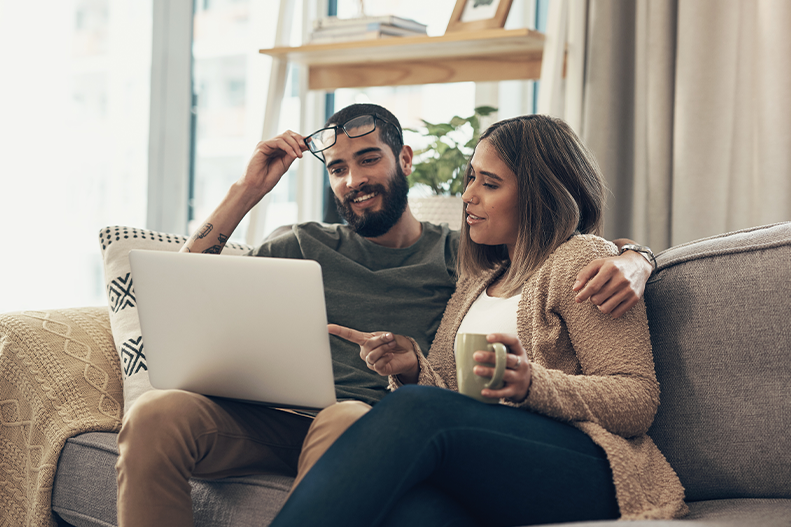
(614, 284)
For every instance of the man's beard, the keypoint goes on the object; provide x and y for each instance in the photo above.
(374, 224)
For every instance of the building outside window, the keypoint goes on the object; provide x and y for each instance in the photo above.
(74, 103)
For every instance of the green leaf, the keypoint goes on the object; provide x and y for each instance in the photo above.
(458, 122)
(485, 110)
(443, 161)
(476, 125)
(439, 129)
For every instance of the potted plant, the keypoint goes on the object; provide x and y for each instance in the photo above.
(440, 166)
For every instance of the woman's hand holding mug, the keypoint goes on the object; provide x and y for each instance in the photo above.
(383, 352)
(518, 370)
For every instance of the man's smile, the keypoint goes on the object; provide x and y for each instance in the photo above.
(365, 197)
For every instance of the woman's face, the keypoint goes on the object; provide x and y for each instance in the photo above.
(491, 199)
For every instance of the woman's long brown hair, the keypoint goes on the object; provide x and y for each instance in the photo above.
(561, 192)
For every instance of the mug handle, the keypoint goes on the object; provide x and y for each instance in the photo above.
(500, 355)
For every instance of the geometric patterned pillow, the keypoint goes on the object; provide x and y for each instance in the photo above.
(116, 243)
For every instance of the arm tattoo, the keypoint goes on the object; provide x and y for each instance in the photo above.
(204, 231)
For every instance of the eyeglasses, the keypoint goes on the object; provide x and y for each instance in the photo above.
(356, 127)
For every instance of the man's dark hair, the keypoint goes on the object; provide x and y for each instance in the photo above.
(390, 134)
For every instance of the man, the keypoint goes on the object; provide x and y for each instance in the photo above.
(385, 270)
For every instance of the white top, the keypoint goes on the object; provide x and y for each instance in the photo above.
(491, 314)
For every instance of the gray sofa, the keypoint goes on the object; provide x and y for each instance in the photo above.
(720, 317)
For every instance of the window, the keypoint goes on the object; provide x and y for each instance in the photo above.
(74, 132)
(230, 80)
(75, 103)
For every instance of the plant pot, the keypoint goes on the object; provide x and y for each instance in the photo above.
(438, 209)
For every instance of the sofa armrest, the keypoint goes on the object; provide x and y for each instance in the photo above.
(59, 377)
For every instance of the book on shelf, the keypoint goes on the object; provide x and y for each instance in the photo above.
(391, 30)
(372, 26)
(387, 20)
(363, 29)
(365, 35)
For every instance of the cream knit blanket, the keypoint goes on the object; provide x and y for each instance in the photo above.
(59, 377)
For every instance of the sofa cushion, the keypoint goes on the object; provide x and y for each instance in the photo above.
(84, 493)
(742, 512)
(116, 243)
(715, 513)
(719, 311)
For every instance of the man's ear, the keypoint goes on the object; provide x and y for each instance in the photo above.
(405, 159)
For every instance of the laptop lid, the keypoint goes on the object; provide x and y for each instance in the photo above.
(235, 326)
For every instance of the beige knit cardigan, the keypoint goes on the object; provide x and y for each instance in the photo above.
(589, 370)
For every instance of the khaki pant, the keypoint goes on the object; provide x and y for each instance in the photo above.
(169, 436)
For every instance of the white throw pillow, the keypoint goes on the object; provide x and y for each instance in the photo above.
(116, 243)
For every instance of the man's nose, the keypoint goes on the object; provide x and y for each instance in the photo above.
(355, 179)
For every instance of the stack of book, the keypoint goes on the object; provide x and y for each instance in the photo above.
(334, 29)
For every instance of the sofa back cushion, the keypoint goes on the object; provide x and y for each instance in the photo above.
(719, 311)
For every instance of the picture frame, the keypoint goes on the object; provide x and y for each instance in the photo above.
(471, 15)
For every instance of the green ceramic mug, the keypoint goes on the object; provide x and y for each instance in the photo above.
(469, 383)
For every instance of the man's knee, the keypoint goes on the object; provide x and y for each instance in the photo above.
(161, 413)
(331, 422)
(342, 414)
(328, 426)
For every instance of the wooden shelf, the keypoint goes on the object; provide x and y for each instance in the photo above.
(484, 55)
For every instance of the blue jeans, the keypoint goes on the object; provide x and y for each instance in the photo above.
(429, 456)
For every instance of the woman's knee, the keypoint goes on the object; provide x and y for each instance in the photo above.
(421, 404)
(414, 395)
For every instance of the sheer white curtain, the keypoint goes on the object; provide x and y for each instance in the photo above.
(687, 106)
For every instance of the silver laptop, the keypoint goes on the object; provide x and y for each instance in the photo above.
(235, 326)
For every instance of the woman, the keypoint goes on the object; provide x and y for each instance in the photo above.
(568, 441)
